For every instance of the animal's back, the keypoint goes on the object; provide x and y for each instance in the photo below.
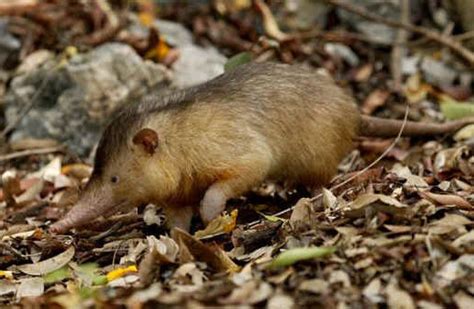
(282, 121)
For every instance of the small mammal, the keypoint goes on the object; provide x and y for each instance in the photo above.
(205, 145)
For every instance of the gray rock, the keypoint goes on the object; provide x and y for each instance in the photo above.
(196, 64)
(376, 31)
(72, 103)
(438, 73)
(176, 34)
(8, 43)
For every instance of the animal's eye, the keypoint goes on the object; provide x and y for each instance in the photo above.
(114, 179)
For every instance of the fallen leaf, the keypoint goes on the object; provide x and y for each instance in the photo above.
(49, 265)
(269, 23)
(271, 218)
(190, 270)
(415, 89)
(454, 270)
(292, 256)
(398, 298)
(249, 293)
(463, 300)
(11, 187)
(316, 286)
(214, 257)
(363, 73)
(57, 275)
(375, 99)
(466, 240)
(237, 60)
(456, 110)
(50, 171)
(301, 211)
(6, 274)
(465, 133)
(7, 287)
(448, 224)
(446, 199)
(280, 300)
(30, 287)
(167, 248)
(121, 272)
(222, 224)
(412, 180)
(77, 170)
(373, 291)
(380, 202)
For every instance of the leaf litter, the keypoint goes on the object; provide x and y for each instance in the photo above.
(400, 235)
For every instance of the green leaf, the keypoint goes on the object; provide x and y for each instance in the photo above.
(87, 272)
(100, 280)
(57, 275)
(271, 218)
(292, 256)
(86, 292)
(237, 60)
(455, 110)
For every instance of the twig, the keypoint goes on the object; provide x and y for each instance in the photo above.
(465, 36)
(339, 36)
(29, 152)
(269, 23)
(447, 41)
(364, 170)
(398, 50)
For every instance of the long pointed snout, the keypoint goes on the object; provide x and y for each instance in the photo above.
(79, 215)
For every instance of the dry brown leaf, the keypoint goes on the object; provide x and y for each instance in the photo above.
(49, 265)
(463, 300)
(30, 287)
(249, 293)
(375, 99)
(269, 23)
(11, 187)
(214, 257)
(398, 298)
(316, 286)
(448, 224)
(224, 223)
(381, 202)
(301, 211)
(363, 73)
(447, 199)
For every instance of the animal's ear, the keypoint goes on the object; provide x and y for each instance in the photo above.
(146, 138)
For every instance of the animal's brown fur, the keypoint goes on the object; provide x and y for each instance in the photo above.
(217, 140)
(259, 121)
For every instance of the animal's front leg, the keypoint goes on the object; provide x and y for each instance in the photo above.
(179, 216)
(216, 196)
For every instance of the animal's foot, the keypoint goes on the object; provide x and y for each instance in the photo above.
(212, 204)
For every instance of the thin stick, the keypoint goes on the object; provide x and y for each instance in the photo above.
(29, 152)
(383, 155)
(447, 41)
(398, 50)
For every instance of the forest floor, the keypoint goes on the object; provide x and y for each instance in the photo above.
(398, 233)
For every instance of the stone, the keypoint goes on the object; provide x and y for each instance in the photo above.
(195, 64)
(72, 102)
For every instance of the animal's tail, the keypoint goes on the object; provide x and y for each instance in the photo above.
(380, 127)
